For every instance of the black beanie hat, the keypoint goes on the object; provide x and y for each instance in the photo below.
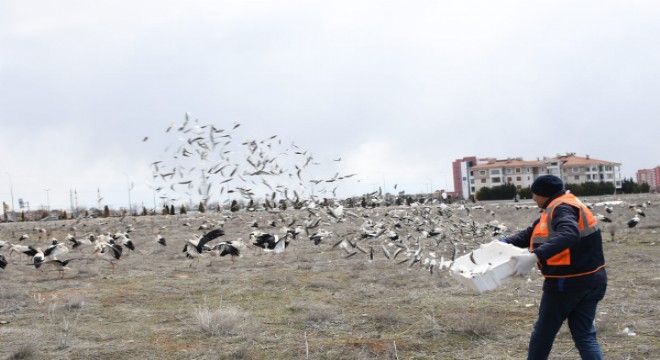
(547, 185)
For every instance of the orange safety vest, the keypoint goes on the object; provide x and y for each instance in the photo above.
(543, 232)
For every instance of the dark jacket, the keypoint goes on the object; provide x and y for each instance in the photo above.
(566, 235)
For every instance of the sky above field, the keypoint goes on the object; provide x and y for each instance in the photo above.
(391, 91)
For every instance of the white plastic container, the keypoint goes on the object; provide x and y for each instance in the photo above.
(487, 267)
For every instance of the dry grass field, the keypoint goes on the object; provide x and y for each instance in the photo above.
(311, 302)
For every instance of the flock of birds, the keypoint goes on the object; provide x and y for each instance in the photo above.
(428, 237)
(206, 157)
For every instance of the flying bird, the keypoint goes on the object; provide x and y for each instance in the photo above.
(60, 265)
(225, 248)
(269, 242)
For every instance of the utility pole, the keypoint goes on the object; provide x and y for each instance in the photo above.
(130, 187)
(47, 199)
(11, 191)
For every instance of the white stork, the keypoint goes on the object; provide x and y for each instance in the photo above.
(195, 248)
(108, 251)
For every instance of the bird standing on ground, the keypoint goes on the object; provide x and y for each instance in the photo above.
(633, 222)
(79, 244)
(161, 240)
(108, 251)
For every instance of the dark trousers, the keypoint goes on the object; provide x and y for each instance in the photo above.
(580, 310)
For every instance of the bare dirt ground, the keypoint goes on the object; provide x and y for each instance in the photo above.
(311, 302)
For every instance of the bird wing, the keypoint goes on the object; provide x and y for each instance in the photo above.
(208, 237)
(49, 250)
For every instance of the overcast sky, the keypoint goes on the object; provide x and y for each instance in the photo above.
(396, 89)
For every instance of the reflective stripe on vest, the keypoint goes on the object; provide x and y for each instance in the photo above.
(542, 232)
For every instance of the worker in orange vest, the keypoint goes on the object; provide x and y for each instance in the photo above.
(566, 245)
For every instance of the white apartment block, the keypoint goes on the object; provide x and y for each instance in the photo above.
(570, 168)
(578, 170)
(494, 173)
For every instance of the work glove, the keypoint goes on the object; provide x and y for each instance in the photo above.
(524, 263)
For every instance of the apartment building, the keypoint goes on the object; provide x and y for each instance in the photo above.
(650, 177)
(461, 176)
(515, 171)
(471, 173)
(574, 169)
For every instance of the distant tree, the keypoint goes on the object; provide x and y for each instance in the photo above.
(172, 212)
(399, 201)
(282, 204)
(628, 186)
(525, 193)
(591, 188)
(23, 216)
(363, 202)
(644, 188)
(64, 215)
(144, 211)
(502, 192)
(166, 210)
(234, 206)
(183, 210)
(106, 211)
(201, 208)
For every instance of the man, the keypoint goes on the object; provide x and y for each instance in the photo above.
(566, 244)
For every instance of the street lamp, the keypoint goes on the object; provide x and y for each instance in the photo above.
(47, 199)
(11, 191)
